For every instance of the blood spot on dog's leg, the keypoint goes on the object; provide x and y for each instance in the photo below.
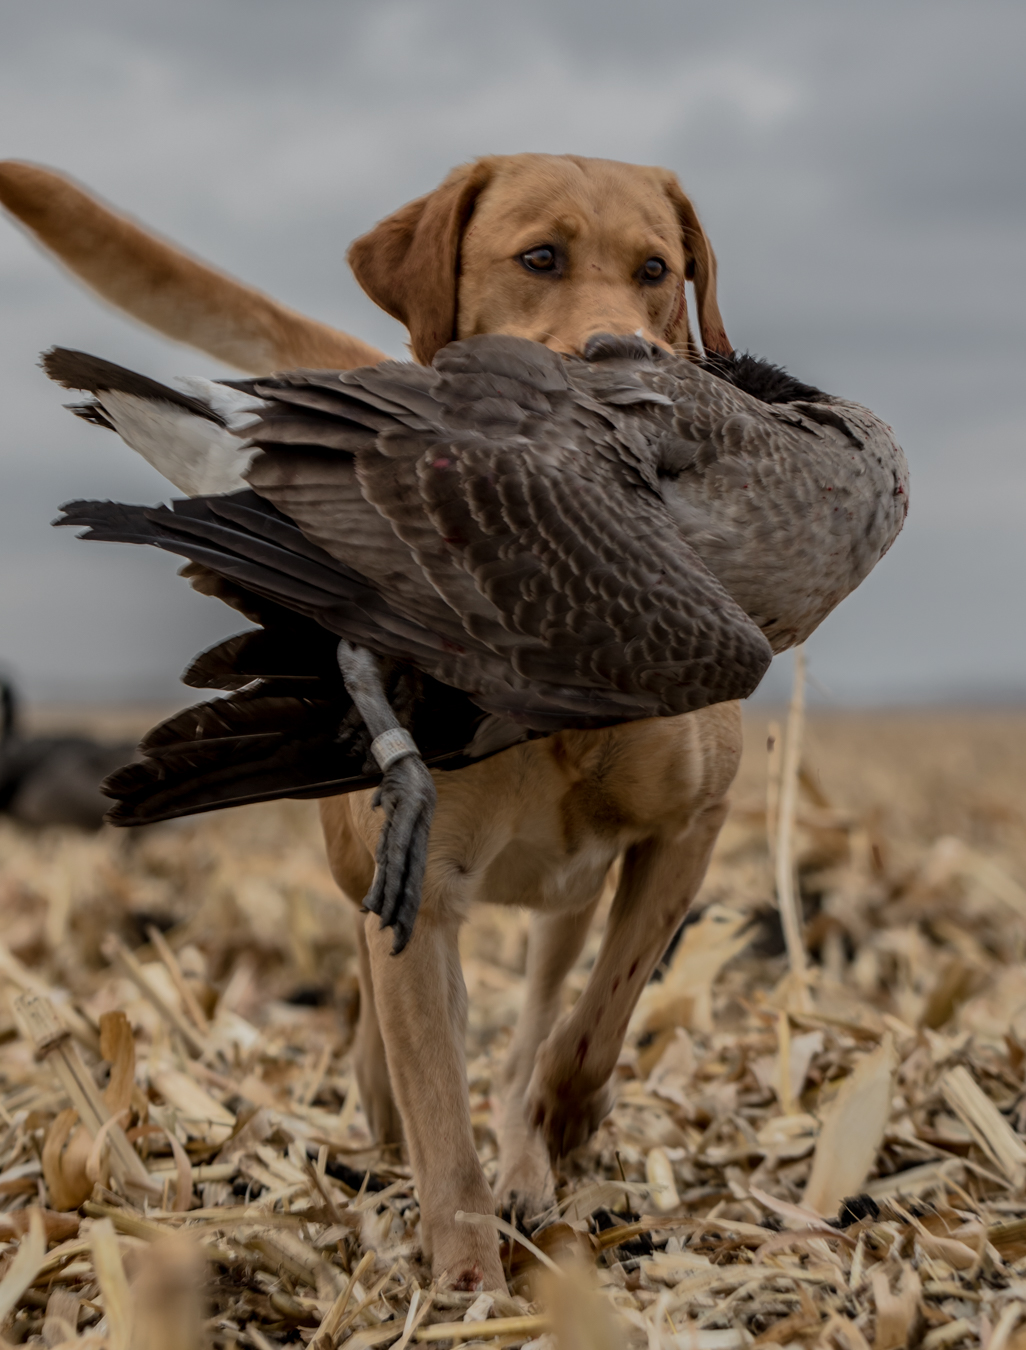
(470, 1279)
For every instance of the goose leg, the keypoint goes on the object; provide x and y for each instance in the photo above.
(407, 796)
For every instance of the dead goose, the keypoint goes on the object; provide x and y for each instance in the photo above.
(526, 541)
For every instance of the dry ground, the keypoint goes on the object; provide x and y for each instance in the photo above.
(206, 971)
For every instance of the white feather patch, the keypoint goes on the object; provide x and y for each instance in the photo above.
(239, 410)
(199, 457)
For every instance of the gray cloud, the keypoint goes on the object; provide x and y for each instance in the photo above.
(858, 167)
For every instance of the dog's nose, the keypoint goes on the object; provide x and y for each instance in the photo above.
(632, 347)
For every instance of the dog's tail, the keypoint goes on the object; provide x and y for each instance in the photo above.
(162, 286)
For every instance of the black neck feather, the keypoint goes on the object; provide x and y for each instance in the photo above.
(759, 378)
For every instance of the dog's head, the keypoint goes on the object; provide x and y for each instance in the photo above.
(550, 247)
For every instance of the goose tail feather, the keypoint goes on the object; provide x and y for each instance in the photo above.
(195, 436)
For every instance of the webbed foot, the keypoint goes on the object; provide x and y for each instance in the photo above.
(407, 795)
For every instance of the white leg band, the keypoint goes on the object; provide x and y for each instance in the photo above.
(392, 745)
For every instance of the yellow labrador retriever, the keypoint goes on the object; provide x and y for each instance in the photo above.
(557, 249)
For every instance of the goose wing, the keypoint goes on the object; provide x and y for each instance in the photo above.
(495, 505)
(484, 520)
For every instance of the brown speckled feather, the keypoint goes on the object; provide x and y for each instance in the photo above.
(521, 525)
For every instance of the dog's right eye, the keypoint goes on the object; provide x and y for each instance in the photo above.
(542, 259)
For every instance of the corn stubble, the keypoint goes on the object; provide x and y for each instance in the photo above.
(184, 1164)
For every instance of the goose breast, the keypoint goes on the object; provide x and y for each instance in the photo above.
(790, 500)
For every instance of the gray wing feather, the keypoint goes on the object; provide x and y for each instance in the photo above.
(505, 509)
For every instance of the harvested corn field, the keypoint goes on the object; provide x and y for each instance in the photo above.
(830, 1158)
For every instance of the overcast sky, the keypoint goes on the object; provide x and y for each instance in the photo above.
(859, 167)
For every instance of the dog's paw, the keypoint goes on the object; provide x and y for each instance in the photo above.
(467, 1259)
(526, 1189)
(564, 1112)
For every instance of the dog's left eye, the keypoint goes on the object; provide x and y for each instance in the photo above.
(653, 270)
(541, 259)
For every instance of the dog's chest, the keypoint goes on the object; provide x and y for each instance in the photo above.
(533, 869)
(541, 824)
(538, 827)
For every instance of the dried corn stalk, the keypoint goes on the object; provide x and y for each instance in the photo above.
(24, 1268)
(52, 1042)
(787, 898)
(110, 1272)
(308, 1233)
(988, 1126)
(852, 1131)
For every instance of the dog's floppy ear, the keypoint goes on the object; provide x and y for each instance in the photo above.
(700, 267)
(409, 263)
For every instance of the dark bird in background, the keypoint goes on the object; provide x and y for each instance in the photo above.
(508, 543)
(53, 780)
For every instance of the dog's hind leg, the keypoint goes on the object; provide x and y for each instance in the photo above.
(570, 1091)
(369, 1062)
(554, 943)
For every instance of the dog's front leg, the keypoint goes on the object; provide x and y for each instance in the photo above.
(570, 1091)
(421, 1003)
